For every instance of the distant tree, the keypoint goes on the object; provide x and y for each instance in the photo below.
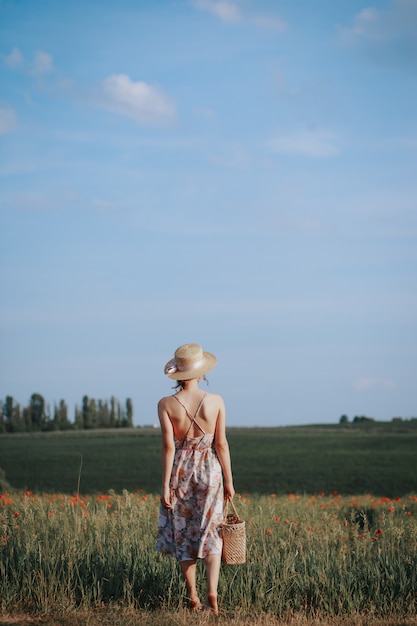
(12, 417)
(8, 407)
(103, 414)
(78, 418)
(61, 421)
(362, 419)
(19, 425)
(2, 420)
(8, 413)
(89, 412)
(37, 416)
(344, 419)
(37, 411)
(129, 413)
(93, 413)
(112, 412)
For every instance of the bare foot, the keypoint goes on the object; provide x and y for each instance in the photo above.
(195, 604)
(212, 604)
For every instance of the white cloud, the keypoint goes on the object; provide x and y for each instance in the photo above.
(8, 121)
(226, 11)
(231, 13)
(141, 102)
(398, 21)
(389, 35)
(308, 143)
(14, 59)
(363, 24)
(42, 64)
(363, 384)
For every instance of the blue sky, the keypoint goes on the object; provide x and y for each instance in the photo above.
(240, 174)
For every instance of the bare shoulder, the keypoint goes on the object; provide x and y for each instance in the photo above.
(214, 400)
(164, 403)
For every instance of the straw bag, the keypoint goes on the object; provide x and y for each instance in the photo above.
(234, 537)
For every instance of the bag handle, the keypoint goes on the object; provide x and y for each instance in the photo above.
(226, 506)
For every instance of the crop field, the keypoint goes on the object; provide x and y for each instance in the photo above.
(377, 460)
(315, 555)
(331, 530)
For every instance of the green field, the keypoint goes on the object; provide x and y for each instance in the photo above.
(380, 459)
(317, 556)
(330, 512)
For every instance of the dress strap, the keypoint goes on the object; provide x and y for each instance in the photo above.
(191, 418)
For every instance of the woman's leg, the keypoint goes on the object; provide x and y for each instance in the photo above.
(188, 569)
(212, 563)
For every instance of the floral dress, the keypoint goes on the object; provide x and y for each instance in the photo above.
(192, 529)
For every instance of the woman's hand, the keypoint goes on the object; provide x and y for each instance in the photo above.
(166, 499)
(229, 491)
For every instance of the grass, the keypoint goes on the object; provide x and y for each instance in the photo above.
(329, 556)
(117, 617)
(375, 459)
(321, 549)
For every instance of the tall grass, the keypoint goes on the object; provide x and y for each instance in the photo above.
(319, 556)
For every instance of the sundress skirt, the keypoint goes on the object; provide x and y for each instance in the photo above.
(192, 529)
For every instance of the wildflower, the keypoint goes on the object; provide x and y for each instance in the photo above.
(379, 532)
(102, 497)
(391, 509)
(276, 519)
(16, 514)
(268, 531)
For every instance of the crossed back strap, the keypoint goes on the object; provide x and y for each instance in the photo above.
(192, 418)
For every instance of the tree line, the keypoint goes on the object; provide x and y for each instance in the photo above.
(363, 419)
(38, 417)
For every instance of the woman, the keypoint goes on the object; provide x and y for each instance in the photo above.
(195, 453)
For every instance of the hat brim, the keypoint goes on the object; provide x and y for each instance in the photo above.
(210, 362)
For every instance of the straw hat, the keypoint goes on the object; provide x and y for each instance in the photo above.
(189, 362)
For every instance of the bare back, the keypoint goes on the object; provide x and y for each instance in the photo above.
(182, 408)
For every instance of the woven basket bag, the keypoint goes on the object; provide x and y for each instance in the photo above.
(234, 537)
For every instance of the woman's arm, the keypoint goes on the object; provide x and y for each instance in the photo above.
(223, 453)
(168, 453)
